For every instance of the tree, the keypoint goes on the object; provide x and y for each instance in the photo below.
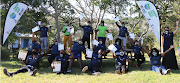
(53, 8)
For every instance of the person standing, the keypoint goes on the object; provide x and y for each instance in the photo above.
(87, 31)
(44, 37)
(169, 60)
(102, 32)
(122, 33)
(66, 31)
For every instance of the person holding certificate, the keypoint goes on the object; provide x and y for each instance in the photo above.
(101, 47)
(76, 50)
(94, 64)
(122, 62)
(87, 31)
(54, 52)
(102, 32)
(118, 46)
(137, 53)
(44, 37)
(122, 33)
(31, 62)
(66, 31)
(63, 57)
(35, 44)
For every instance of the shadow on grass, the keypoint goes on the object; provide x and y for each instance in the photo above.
(108, 66)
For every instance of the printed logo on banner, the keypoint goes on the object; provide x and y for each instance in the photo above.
(151, 12)
(147, 7)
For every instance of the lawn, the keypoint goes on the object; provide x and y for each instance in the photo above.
(107, 76)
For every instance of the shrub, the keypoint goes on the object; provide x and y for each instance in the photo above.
(5, 53)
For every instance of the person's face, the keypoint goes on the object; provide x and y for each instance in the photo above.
(153, 50)
(62, 52)
(89, 23)
(33, 50)
(55, 41)
(166, 29)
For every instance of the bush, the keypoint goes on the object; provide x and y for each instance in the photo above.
(5, 53)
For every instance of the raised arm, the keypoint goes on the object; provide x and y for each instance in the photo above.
(72, 56)
(131, 42)
(33, 39)
(146, 50)
(171, 47)
(79, 23)
(114, 56)
(117, 24)
(177, 28)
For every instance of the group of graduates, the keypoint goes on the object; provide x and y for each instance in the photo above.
(39, 49)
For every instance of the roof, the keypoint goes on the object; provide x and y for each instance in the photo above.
(24, 35)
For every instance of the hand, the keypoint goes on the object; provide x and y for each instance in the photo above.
(20, 59)
(172, 46)
(69, 50)
(53, 67)
(126, 67)
(177, 22)
(110, 31)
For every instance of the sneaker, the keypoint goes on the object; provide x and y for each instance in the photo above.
(58, 73)
(69, 71)
(6, 72)
(168, 71)
(85, 69)
(34, 72)
(96, 73)
(160, 71)
(123, 71)
(137, 66)
(117, 72)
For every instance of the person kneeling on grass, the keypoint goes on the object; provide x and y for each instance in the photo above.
(155, 59)
(123, 62)
(94, 64)
(63, 57)
(31, 62)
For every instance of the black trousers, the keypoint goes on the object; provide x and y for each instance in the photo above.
(138, 57)
(52, 57)
(119, 67)
(87, 39)
(24, 69)
(64, 66)
(93, 67)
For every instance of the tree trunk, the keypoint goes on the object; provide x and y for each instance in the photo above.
(58, 29)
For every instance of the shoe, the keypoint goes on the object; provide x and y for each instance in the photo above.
(69, 71)
(58, 73)
(123, 71)
(34, 72)
(6, 72)
(160, 71)
(137, 66)
(117, 72)
(84, 69)
(168, 71)
(96, 73)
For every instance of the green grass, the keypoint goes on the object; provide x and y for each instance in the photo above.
(107, 76)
